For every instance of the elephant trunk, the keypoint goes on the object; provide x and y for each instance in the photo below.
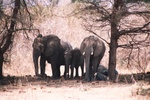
(87, 64)
(35, 60)
(67, 63)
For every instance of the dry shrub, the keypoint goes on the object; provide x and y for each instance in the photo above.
(140, 88)
(133, 61)
(62, 22)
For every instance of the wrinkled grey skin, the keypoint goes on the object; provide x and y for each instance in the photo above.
(51, 49)
(102, 73)
(93, 50)
(48, 49)
(75, 59)
(66, 45)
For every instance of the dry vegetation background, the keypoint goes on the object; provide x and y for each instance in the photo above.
(68, 27)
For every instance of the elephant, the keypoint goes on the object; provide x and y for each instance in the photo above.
(75, 59)
(66, 47)
(49, 48)
(93, 50)
(102, 73)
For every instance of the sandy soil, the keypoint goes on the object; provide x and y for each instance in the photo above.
(69, 90)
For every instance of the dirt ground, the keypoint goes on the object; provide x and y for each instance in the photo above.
(45, 89)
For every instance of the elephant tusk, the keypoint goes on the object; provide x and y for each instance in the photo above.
(91, 53)
(83, 53)
(95, 74)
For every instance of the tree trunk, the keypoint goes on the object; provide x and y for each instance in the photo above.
(9, 34)
(113, 52)
(1, 64)
(114, 37)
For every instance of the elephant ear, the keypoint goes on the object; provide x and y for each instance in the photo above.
(51, 45)
(38, 44)
(48, 52)
(47, 47)
(82, 47)
(97, 47)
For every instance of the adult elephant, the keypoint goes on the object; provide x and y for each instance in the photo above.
(49, 48)
(93, 50)
(75, 59)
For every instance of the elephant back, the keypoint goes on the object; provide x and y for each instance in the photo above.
(51, 44)
(51, 40)
(65, 45)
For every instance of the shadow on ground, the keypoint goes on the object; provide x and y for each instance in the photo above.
(13, 80)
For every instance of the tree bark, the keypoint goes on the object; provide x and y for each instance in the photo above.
(114, 39)
(1, 64)
(9, 35)
(113, 51)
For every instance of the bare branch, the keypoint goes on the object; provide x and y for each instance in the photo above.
(25, 29)
(139, 12)
(12, 26)
(28, 12)
(142, 29)
(105, 14)
(97, 35)
(135, 45)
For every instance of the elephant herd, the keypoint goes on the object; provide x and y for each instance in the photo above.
(52, 49)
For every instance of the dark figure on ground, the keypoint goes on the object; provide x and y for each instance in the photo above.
(102, 73)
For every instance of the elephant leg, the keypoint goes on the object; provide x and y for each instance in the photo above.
(77, 74)
(90, 71)
(55, 67)
(66, 73)
(82, 71)
(58, 71)
(72, 70)
(54, 70)
(95, 63)
(42, 65)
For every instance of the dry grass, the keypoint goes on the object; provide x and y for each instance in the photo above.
(54, 21)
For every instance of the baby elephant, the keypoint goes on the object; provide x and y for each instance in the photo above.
(75, 59)
(102, 73)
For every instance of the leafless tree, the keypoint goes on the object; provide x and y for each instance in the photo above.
(11, 24)
(115, 17)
